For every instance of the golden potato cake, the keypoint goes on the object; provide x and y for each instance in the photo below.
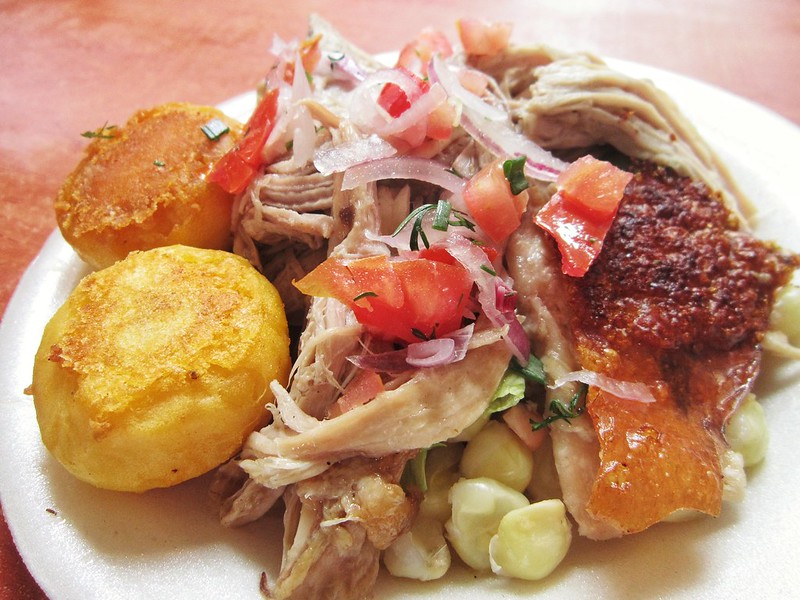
(143, 186)
(155, 369)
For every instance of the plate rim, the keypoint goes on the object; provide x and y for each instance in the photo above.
(14, 319)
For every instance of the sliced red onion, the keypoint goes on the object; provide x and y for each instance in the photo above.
(462, 338)
(506, 302)
(440, 72)
(628, 390)
(364, 110)
(340, 67)
(505, 297)
(517, 339)
(403, 167)
(411, 125)
(393, 362)
(279, 136)
(431, 353)
(339, 158)
(402, 240)
(280, 54)
(415, 115)
(474, 260)
(304, 133)
(502, 140)
(304, 137)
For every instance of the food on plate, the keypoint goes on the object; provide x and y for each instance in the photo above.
(155, 369)
(143, 185)
(527, 296)
(599, 317)
(531, 541)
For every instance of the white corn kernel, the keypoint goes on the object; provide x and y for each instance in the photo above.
(747, 431)
(477, 507)
(531, 541)
(785, 315)
(497, 452)
(420, 553)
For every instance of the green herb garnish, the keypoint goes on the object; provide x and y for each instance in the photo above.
(444, 217)
(514, 170)
(106, 132)
(365, 295)
(441, 218)
(560, 412)
(415, 215)
(414, 472)
(489, 270)
(159, 163)
(533, 371)
(418, 333)
(215, 129)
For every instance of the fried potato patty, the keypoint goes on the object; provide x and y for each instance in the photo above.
(143, 186)
(155, 369)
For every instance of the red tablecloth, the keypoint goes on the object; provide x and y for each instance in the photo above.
(69, 66)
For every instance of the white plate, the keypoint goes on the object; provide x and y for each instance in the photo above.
(80, 542)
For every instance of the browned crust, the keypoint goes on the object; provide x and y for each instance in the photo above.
(679, 299)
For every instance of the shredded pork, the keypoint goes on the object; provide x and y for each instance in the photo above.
(339, 476)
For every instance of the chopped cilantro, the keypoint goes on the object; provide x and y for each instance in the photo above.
(560, 412)
(441, 222)
(365, 295)
(533, 371)
(514, 170)
(441, 218)
(215, 129)
(106, 132)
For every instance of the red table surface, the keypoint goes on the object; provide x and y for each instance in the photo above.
(69, 66)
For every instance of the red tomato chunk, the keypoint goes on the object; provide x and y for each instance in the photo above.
(395, 299)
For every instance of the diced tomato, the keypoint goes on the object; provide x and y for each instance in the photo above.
(354, 283)
(416, 55)
(481, 38)
(429, 148)
(310, 53)
(236, 169)
(438, 254)
(441, 254)
(440, 122)
(579, 239)
(580, 214)
(398, 299)
(593, 186)
(394, 100)
(492, 204)
(473, 81)
(364, 386)
(435, 126)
